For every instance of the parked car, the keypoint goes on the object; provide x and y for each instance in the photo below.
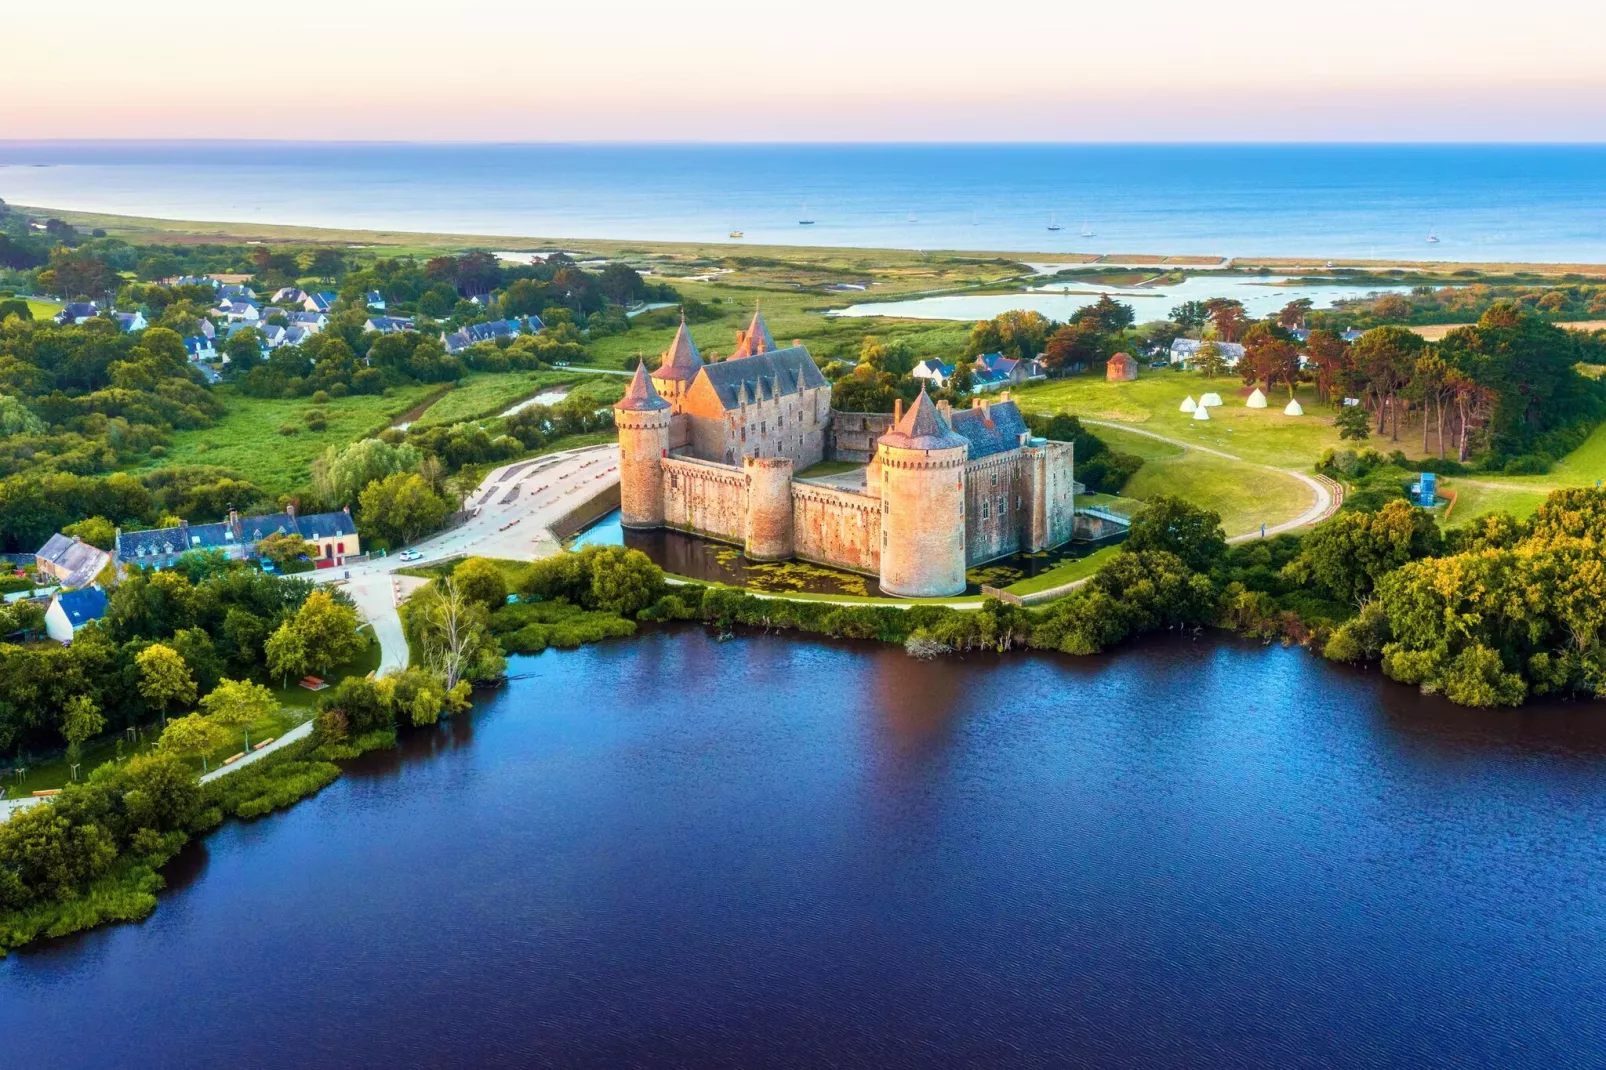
(411, 555)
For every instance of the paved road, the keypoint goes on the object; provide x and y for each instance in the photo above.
(514, 510)
(1323, 504)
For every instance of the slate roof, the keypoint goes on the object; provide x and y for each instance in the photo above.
(922, 428)
(1185, 348)
(387, 324)
(996, 362)
(757, 338)
(134, 547)
(681, 360)
(198, 347)
(987, 378)
(932, 365)
(322, 302)
(464, 337)
(126, 320)
(82, 561)
(641, 396)
(763, 376)
(995, 429)
(82, 606)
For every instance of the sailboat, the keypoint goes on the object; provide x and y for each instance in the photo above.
(737, 234)
(1052, 225)
(1087, 231)
(805, 221)
(1433, 239)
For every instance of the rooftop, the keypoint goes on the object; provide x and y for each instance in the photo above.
(922, 427)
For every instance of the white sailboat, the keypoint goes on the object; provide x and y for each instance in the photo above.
(805, 221)
(1087, 231)
(1433, 239)
(1052, 224)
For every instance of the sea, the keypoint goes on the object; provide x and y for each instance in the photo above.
(1484, 203)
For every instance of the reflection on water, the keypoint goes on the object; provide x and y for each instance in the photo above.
(673, 850)
(716, 562)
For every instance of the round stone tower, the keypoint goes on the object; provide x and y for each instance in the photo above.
(642, 418)
(769, 508)
(922, 471)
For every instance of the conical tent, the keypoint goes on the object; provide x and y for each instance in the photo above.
(1211, 398)
(1201, 413)
(1293, 408)
(1188, 404)
(1257, 400)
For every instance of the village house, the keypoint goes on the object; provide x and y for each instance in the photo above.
(320, 302)
(239, 310)
(934, 372)
(375, 300)
(289, 295)
(71, 610)
(200, 348)
(1185, 350)
(311, 322)
(475, 333)
(388, 324)
(75, 311)
(333, 535)
(130, 321)
(73, 562)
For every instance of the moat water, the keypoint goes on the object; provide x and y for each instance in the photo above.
(775, 852)
(716, 562)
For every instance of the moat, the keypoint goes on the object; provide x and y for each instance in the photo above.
(771, 852)
(710, 561)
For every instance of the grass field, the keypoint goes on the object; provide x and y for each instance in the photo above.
(247, 438)
(1473, 501)
(42, 310)
(483, 396)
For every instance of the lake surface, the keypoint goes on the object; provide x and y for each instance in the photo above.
(1060, 300)
(1485, 202)
(770, 852)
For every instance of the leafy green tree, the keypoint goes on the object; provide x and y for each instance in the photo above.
(244, 350)
(1190, 315)
(80, 720)
(164, 678)
(192, 736)
(96, 531)
(417, 694)
(16, 418)
(328, 632)
(1387, 357)
(282, 548)
(1346, 555)
(45, 856)
(286, 653)
(1172, 525)
(402, 507)
(1210, 360)
(341, 474)
(481, 582)
(234, 703)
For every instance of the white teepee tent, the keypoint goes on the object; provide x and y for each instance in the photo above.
(1201, 413)
(1210, 399)
(1257, 400)
(1188, 404)
(1293, 408)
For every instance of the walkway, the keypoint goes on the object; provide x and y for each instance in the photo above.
(299, 732)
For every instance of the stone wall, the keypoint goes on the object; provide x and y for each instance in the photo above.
(791, 426)
(837, 528)
(769, 508)
(1054, 494)
(998, 498)
(853, 435)
(923, 521)
(705, 499)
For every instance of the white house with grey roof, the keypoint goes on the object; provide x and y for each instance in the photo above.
(334, 535)
(73, 562)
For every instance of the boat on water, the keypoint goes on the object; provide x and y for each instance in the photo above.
(1087, 232)
(1052, 224)
(805, 221)
(1433, 239)
(737, 234)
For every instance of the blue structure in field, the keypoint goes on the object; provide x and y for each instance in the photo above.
(1427, 490)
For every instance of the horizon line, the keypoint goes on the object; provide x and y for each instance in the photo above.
(818, 143)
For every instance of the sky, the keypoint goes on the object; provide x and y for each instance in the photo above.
(871, 70)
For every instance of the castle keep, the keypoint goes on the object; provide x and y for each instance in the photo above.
(714, 449)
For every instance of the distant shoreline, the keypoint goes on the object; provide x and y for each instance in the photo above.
(149, 229)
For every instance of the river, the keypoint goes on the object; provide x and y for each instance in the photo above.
(770, 851)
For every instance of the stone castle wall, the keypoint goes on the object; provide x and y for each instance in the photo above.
(769, 508)
(705, 499)
(998, 497)
(1053, 499)
(853, 435)
(643, 441)
(837, 528)
(923, 523)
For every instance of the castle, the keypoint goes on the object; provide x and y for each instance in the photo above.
(714, 449)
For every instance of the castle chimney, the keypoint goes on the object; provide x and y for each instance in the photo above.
(1003, 397)
(897, 411)
(975, 403)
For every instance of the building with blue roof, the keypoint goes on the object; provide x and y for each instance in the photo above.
(333, 535)
(71, 610)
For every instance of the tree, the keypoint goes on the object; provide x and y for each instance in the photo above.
(621, 283)
(1329, 355)
(281, 548)
(286, 653)
(1229, 317)
(1210, 360)
(1171, 525)
(328, 632)
(1190, 315)
(1108, 315)
(1269, 357)
(417, 694)
(164, 678)
(1016, 334)
(97, 531)
(1353, 424)
(244, 350)
(1293, 314)
(1346, 555)
(1387, 356)
(341, 474)
(402, 507)
(452, 634)
(16, 418)
(234, 703)
(328, 264)
(193, 736)
(481, 582)
(1075, 345)
(81, 719)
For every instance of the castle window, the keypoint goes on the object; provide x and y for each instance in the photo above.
(1003, 506)
(1017, 501)
(984, 510)
(995, 479)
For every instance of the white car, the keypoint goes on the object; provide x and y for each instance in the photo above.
(411, 555)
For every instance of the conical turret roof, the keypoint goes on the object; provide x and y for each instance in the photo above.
(641, 396)
(757, 337)
(923, 428)
(681, 359)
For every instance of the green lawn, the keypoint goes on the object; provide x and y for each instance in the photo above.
(247, 438)
(1473, 501)
(1066, 573)
(482, 396)
(42, 310)
(1245, 495)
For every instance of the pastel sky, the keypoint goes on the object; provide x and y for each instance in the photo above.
(763, 70)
